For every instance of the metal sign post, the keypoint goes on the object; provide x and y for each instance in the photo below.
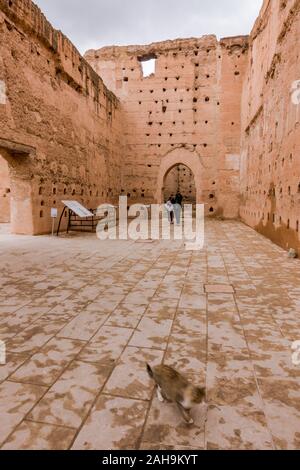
(54, 213)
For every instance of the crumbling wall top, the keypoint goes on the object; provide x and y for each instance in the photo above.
(163, 47)
(28, 17)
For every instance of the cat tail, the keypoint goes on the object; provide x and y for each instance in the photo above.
(150, 371)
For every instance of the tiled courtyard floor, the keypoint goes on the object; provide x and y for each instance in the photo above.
(80, 318)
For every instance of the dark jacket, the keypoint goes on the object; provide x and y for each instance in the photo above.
(178, 199)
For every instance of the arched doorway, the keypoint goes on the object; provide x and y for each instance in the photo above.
(180, 178)
(16, 185)
(183, 158)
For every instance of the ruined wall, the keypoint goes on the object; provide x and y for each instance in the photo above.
(60, 127)
(270, 173)
(188, 111)
(4, 192)
(228, 112)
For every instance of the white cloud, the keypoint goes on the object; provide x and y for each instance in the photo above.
(94, 23)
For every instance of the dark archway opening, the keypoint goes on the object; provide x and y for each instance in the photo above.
(180, 178)
(16, 206)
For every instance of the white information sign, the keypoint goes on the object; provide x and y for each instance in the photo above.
(78, 208)
(54, 213)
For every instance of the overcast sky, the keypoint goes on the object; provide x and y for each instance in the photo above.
(91, 24)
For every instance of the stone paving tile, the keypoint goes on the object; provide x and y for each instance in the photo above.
(191, 321)
(188, 356)
(70, 398)
(228, 366)
(13, 302)
(194, 300)
(15, 323)
(84, 326)
(122, 420)
(224, 335)
(16, 400)
(45, 367)
(140, 296)
(13, 362)
(169, 291)
(149, 283)
(130, 378)
(69, 307)
(275, 364)
(38, 436)
(33, 337)
(152, 333)
(126, 315)
(237, 428)
(161, 310)
(282, 407)
(149, 446)
(218, 289)
(171, 303)
(106, 346)
(166, 427)
(105, 304)
(224, 326)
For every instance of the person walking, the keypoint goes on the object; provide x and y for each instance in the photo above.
(170, 209)
(178, 207)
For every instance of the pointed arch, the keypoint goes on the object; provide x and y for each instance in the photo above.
(176, 157)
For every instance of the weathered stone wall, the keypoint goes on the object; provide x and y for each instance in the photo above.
(60, 127)
(187, 112)
(270, 173)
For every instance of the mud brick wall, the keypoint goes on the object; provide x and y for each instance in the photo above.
(60, 127)
(270, 167)
(187, 112)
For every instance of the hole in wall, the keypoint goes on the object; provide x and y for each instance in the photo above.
(148, 64)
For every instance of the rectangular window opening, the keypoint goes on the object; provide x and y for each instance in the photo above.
(148, 64)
